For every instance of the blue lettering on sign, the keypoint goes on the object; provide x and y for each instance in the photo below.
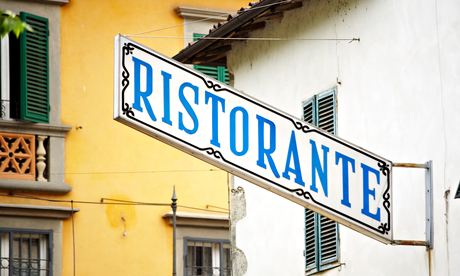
(188, 107)
(345, 179)
(369, 192)
(266, 152)
(215, 101)
(238, 122)
(245, 131)
(316, 168)
(138, 94)
(166, 98)
(293, 155)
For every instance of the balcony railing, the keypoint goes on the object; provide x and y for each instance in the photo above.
(32, 157)
(23, 156)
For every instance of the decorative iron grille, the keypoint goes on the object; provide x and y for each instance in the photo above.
(25, 253)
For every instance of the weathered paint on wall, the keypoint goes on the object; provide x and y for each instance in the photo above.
(397, 96)
(110, 160)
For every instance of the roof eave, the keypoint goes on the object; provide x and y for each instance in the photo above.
(186, 55)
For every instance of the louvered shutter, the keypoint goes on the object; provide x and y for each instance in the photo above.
(321, 233)
(328, 241)
(34, 70)
(325, 103)
(310, 239)
(219, 73)
(308, 111)
(311, 231)
(326, 114)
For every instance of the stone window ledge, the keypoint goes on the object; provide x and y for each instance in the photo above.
(50, 187)
(32, 128)
(199, 220)
(36, 211)
(200, 13)
(53, 2)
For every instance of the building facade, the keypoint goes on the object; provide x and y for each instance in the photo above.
(380, 74)
(81, 193)
(32, 144)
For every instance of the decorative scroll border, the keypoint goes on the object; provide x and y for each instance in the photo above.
(383, 228)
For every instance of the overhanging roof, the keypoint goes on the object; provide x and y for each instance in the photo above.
(211, 51)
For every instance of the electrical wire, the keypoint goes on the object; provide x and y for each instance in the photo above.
(101, 202)
(216, 207)
(250, 38)
(173, 26)
(200, 209)
(104, 200)
(138, 172)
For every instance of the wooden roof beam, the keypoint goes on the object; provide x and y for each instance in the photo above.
(214, 62)
(216, 51)
(288, 6)
(252, 26)
(269, 16)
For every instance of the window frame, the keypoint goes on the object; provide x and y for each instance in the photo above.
(221, 243)
(25, 72)
(5, 78)
(50, 245)
(319, 264)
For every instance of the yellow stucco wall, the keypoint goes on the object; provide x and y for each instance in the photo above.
(105, 159)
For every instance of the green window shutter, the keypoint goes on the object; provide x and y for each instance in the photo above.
(321, 233)
(207, 70)
(34, 70)
(223, 75)
(197, 36)
(219, 73)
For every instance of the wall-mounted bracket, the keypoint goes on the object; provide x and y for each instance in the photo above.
(428, 242)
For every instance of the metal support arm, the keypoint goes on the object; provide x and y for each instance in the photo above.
(428, 242)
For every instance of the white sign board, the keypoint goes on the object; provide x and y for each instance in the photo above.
(241, 135)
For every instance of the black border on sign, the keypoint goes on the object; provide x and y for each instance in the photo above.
(383, 228)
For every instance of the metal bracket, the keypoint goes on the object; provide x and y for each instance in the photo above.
(428, 242)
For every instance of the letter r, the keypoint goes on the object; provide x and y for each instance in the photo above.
(138, 93)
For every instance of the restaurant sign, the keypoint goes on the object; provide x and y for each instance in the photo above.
(239, 134)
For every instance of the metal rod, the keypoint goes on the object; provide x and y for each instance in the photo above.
(174, 208)
(411, 165)
(410, 242)
(429, 204)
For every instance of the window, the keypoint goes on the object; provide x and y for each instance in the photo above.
(203, 247)
(207, 258)
(24, 252)
(321, 233)
(25, 73)
(26, 91)
(219, 73)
